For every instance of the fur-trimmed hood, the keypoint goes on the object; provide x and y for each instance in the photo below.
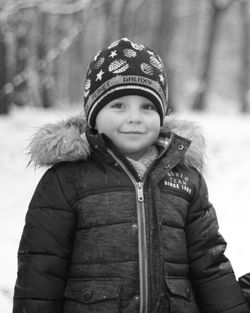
(66, 141)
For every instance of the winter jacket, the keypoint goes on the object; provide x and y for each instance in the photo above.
(244, 282)
(98, 239)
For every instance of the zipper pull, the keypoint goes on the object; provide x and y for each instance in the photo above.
(139, 188)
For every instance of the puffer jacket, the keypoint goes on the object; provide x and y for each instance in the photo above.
(244, 282)
(98, 239)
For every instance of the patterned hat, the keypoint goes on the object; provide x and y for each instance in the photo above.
(124, 68)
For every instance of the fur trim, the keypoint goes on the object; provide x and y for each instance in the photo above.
(62, 141)
(196, 153)
(66, 141)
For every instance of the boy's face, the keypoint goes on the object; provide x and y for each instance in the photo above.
(131, 122)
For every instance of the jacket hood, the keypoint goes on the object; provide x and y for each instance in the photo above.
(66, 141)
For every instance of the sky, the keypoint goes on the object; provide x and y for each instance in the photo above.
(227, 175)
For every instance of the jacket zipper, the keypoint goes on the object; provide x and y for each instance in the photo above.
(142, 237)
(142, 243)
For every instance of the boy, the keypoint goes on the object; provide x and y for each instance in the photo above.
(121, 222)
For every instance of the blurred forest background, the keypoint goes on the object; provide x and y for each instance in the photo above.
(45, 47)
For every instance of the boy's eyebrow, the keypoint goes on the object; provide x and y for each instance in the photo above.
(148, 102)
(116, 101)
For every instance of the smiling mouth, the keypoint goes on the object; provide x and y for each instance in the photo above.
(133, 133)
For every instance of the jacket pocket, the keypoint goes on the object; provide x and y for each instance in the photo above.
(180, 295)
(92, 296)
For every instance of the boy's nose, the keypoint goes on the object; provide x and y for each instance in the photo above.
(134, 116)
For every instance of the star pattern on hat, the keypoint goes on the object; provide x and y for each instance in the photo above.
(162, 79)
(113, 54)
(151, 53)
(97, 55)
(99, 75)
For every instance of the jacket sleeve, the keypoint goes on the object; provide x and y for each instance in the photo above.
(213, 279)
(244, 282)
(45, 249)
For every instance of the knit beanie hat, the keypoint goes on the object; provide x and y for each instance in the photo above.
(124, 68)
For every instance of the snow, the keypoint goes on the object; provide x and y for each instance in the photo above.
(227, 175)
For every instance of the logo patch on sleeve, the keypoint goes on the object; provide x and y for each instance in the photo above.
(178, 184)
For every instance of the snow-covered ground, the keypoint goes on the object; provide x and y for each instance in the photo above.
(227, 175)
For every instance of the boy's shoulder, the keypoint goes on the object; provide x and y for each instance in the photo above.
(61, 142)
(66, 177)
(195, 156)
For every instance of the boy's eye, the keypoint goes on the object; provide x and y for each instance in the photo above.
(118, 105)
(149, 106)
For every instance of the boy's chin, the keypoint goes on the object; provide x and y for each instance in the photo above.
(134, 154)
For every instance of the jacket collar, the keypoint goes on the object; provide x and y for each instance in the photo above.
(70, 140)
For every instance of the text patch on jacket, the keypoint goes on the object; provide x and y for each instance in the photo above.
(178, 183)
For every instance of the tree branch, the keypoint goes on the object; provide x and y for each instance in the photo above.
(46, 7)
(222, 5)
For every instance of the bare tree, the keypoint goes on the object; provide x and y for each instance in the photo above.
(245, 57)
(163, 38)
(109, 27)
(4, 91)
(46, 79)
(217, 7)
(21, 26)
(123, 25)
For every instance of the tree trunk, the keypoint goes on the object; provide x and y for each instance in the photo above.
(4, 90)
(74, 58)
(107, 9)
(217, 8)
(245, 53)
(200, 99)
(46, 80)
(123, 25)
(162, 43)
(20, 95)
(33, 77)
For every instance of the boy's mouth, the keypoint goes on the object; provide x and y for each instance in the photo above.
(133, 132)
